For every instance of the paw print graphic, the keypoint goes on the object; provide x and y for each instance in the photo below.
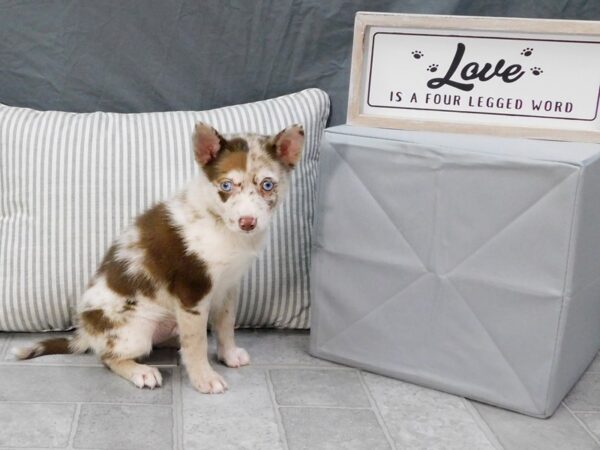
(536, 71)
(527, 51)
(417, 54)
(432, 68)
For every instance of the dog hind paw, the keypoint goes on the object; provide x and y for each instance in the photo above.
(146, 376)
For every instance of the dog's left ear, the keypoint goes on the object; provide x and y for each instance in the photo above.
(207, 143)
(288, 145)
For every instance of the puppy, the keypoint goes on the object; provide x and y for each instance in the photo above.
(182, 261)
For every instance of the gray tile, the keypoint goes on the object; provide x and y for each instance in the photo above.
(35, 425)
(595, 365)
(274, 347)
(314, 387)
(517, 431)
(162, 357)
(76, 384)
(332, 428)
(242, 418)
(127, 427)
(421, 418)
(585, 396)
(159, 357)
(592, 421)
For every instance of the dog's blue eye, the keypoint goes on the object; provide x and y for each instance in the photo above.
(267, 184)
(226, 186)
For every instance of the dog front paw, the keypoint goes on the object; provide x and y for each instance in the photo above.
(209, 382)
(234, 357)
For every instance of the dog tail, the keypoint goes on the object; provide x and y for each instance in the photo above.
(53, 346)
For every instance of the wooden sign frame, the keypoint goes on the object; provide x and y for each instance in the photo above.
(589, 30)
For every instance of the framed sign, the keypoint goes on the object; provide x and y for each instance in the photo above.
(512, 77)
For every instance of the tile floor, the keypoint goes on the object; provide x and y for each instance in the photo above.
(285, 400)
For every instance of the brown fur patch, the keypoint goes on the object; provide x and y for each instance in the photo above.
(224, 196)
(167, 260)
(53, 346)
(123, 283)
(95, 322)
(237, 145)
(233, 155)
(236, 160)
(130, 304)
(108, 352)
(56, 346)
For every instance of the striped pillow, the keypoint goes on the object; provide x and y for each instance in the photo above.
(70, 182)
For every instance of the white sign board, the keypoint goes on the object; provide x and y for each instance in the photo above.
(477, 75)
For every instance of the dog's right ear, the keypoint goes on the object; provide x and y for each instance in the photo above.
(207, 143)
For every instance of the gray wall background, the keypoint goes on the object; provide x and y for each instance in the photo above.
(157, 55)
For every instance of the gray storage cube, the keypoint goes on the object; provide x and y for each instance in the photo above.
(467, 264)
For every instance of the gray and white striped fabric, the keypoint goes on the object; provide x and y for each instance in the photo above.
(69, 183)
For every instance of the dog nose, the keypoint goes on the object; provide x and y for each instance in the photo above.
(247, 223)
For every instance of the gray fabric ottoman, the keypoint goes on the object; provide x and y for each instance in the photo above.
(464, 263)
